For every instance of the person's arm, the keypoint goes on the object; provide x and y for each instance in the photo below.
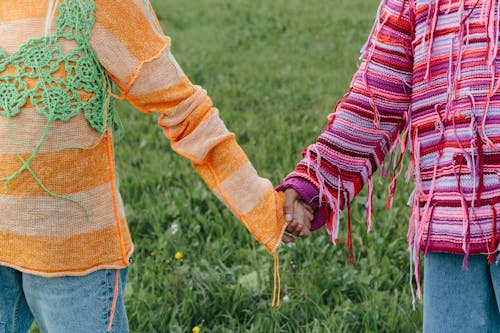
(132, 48)
(365, 125)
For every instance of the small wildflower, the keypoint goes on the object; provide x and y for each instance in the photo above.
(196, 329)
(174, 228)
(286, 299)
(152, 254)
(178, 255)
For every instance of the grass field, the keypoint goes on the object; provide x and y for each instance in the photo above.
(275, 69)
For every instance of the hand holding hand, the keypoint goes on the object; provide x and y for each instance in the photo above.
(298, 214)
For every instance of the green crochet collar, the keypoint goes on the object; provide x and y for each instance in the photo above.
(67, 83)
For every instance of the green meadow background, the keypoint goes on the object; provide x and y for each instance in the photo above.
(275, 69)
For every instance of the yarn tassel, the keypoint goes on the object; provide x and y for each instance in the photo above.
(461, 37)
(491, 24)
(413, 244)
(429, 227)
(369, 204)
(493, 244)
(480, 185)
(449, 7)
(396, 171)
(417, 274)
(348, 244)
(433, 23)
(368, 50)
(465, 212)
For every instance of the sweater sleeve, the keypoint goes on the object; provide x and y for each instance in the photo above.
(366, 123)
(132, 48)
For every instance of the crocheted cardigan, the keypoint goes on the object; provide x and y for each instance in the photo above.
(62, 213)
(428, 83)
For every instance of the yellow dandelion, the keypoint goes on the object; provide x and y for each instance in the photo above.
(152, 254)
(178, 255)
(196, 329)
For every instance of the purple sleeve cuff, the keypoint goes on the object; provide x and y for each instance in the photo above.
(310, 195)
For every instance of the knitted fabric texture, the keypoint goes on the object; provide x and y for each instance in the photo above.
(57, 137)
(428, 83)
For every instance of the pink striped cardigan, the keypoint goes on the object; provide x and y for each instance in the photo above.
(428, 83)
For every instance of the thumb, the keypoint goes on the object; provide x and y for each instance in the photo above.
(288, 238)
(290, 197)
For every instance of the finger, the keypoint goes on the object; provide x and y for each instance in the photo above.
(309, 215)
(303, 218)
(294, 227)
(303, 211)
(288, 238)
(291, 197)
(306, 231)
(307, 207)
(305, 234)
(298, 218)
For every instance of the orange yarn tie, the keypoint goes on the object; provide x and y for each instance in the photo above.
(277, 281)
(115, 299)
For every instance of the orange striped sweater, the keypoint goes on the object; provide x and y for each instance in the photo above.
(62, 213)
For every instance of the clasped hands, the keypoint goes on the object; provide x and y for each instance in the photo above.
(299, 216)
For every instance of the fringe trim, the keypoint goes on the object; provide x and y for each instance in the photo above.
(493, 244)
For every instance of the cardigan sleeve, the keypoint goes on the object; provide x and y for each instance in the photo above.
(132, 48)
(366, 123)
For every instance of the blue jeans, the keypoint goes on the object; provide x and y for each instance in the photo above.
(457, 300)
(82, 304)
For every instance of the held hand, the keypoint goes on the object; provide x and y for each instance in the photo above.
(298, 214)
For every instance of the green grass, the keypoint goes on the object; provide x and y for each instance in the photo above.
(275, 69)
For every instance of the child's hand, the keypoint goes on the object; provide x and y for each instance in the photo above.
(298, 214)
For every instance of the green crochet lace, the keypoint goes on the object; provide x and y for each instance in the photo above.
(83, 87)
(55, 97)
